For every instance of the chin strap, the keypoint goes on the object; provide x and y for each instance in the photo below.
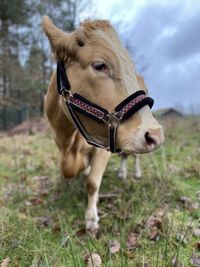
(122, 111)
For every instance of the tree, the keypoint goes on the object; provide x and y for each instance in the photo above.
(25, 61)
(9, 38)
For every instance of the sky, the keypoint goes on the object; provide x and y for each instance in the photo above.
(164, 40)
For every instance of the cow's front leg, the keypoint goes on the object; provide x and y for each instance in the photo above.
(137, 169)
(98, 165)
(122, 171)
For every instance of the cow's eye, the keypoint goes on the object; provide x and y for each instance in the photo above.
(100, 66)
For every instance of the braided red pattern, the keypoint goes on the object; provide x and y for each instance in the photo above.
(128, 106)
(86, 107)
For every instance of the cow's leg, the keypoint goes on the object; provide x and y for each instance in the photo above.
(86, 172)
(72, 164)
(74, 156)
(122, 171)
(137, 169)
(98, 164)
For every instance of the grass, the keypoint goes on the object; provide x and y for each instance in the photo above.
(42, 222)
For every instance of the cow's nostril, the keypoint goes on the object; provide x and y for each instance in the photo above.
(149, 139)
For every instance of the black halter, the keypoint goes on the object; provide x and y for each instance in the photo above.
(123, 111)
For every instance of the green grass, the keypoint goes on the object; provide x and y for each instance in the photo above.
(42, 221)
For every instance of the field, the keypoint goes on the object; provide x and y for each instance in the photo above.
(153, 222)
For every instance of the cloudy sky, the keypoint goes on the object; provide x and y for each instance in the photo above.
(164, 39)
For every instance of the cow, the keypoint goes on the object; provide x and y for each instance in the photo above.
(94, 104)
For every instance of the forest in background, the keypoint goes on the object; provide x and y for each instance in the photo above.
(25, 57)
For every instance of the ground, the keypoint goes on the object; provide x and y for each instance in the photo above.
(149, 222)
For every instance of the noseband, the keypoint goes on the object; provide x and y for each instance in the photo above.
(122, 111)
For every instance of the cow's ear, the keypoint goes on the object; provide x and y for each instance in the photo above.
(142, 83)
(60, 41)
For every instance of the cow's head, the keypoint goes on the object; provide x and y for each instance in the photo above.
(101, 70)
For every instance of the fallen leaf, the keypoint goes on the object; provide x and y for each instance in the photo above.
(81, 232)
(5, 262)
(42, 192)
(197, 232)
(155, 220)
(86, 257)
(132, 241)
(195, 260)
(194, 206)
(177, 263)
(160, 213)
(154, 223)
(129, 254)
(40, 178)
(93, 260)
(198, 245)
(44, 221)
(185, 200)
(181, 238)
(34, 202)
(56, 228)
(114, 246)
(108, 195)
(154, 234)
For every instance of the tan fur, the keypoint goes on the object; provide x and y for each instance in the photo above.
(95, 25)
(93, 41)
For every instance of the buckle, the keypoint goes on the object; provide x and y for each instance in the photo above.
(66, 94)
(113, 119)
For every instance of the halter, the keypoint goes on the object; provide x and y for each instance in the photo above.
(122, 111)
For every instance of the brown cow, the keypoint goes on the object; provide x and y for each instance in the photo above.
(100, 70)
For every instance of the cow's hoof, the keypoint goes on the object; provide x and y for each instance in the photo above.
(92, 225)
(122, 175)
(138, 175)
(91, 220)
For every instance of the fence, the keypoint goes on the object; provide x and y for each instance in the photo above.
(12, 114)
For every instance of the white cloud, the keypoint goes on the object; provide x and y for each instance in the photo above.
(164, 37)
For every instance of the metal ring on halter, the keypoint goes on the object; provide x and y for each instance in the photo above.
(66, 94)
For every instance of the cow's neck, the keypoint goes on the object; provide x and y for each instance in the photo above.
(55, 110)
